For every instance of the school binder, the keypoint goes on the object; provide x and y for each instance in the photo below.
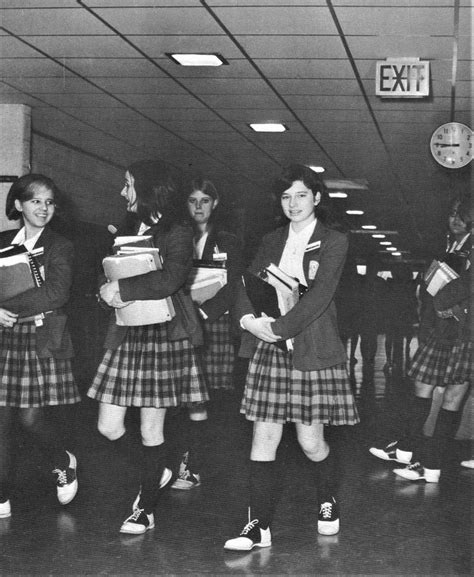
(140, 312)
(438, 275)
(273, 293)
(206, 280)
(19, 271)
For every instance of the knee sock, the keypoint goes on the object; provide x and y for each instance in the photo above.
(5, 453)
(153, 464)
(435, 453)
(264, 491)
(198, 440)
(325, 476)
(419, 411)
(47, 441)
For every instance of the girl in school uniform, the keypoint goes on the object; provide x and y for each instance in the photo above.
(443, 359)
(309, 386)
(212, 245)
(35, 346)
(152, 367)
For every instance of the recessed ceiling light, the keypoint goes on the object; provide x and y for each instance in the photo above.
(197, 59)
(338, 194)
(385, 243)
(391, 248)
(369, 226)
(352, 212)
(268, 127)
(397, 253)
(378, 236)
(317, 168)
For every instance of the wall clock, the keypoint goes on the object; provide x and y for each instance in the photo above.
(451, 145)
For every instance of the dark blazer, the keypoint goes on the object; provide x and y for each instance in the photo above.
(176, 250)
(223, 301)
(312, 322)
(52, 338)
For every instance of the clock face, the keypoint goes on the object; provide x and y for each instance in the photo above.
(451, 145)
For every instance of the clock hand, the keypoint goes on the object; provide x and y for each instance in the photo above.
(440, 144)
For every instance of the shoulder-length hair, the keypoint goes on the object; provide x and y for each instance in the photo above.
(157, 186)
(23, 189)
(312, 180)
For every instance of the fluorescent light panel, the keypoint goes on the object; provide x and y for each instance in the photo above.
(318, 169)
(369, 227)
(338, 195)
(268, 127)
(197, 59)
(354, 212)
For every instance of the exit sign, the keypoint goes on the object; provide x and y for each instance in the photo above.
(402, 78)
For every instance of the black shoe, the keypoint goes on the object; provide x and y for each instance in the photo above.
(252, 535)
(328, 518)
(66, 481)
(138, 522)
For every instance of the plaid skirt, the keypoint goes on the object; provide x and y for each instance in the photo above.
(27, 380)
(440, 364)
(218, 354)
(148, 370)
(276, 392)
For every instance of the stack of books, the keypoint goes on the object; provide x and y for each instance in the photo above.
(18, 271)
(135, 255)
(273, 293)
(206, 280)
(438, 275)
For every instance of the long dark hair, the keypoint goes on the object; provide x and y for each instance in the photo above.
(312, 180)
(158, 191)
(23, 189)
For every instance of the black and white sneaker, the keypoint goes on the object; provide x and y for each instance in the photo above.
(186, 478)
(328, 518)
(138, 522)
(66, 481)
(252, 535)
(392, 453)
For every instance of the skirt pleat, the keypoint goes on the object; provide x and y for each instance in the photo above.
(276, 392)
(148, 370)
(439, 364)
(27, 380)
(218, 354)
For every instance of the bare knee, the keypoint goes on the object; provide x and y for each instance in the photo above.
(315, 449)
(110, 430)
(152, 434)
(454, 396)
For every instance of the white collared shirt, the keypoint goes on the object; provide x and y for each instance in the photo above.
(291, 260)
(20, 238)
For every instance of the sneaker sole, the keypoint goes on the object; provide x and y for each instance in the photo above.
(133, 532)
(330, 529)
(259, 545)
(182, 487)
(381, 455)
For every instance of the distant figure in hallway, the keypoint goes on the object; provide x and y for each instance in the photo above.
(150, 366)
(35, 345)
(443, 359)
(310, 385)
(371, 318)
(215, 249)
(401, 319)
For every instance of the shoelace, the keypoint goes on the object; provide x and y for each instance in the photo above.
(250, 525)
(136, 514)
(185, 474)
(414, 466)
(391, 445)
(326, 510)
(62, 476)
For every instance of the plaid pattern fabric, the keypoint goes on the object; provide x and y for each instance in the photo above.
(276, 392)
(439, 364)
(148, 370)
(218, 354)
(28, 381)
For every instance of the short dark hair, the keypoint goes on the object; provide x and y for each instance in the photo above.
(315, 183)
(157, 186)
(462, 207)
(23, 189)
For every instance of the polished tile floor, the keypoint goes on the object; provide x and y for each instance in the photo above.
(389, 526)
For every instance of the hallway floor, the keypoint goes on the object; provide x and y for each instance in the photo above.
(388, 526)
